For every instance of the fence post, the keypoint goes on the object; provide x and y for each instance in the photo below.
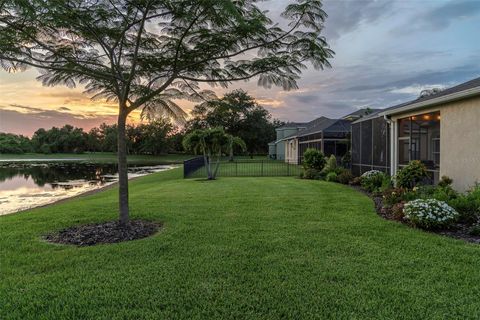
(236, 169)
(262, 168)
(288, 169)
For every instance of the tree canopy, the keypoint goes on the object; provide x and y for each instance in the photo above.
(240, 115)
(212, 144)
(148, 53)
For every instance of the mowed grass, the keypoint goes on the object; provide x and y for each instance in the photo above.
(249, 168)
(236, 248)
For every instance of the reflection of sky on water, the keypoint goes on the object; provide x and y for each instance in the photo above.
(28, 186)
(17, 182)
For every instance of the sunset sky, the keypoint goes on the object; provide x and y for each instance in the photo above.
(386, 53)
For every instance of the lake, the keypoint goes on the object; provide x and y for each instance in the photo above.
(25, 185)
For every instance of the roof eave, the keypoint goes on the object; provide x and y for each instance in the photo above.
(433, 102)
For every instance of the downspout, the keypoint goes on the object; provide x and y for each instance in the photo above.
(393, 145)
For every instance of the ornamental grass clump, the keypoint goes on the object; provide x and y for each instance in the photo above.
(429, 213)
(372, 180)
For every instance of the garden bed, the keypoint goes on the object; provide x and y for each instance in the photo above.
(102, 233)
(457, 230)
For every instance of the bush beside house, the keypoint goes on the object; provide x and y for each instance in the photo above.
(407, 197)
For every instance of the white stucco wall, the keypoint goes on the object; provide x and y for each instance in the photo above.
(291, 151)
(460, 142)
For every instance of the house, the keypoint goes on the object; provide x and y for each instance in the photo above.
(276, 149)
(440, 129)
(328, 135)
(331, 136)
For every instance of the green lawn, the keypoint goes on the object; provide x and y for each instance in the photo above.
(248, 168)
(99, 157)
(236, 248)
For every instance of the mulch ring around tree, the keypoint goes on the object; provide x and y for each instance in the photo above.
(103, 233)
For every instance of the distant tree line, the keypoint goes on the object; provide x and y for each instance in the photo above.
(156, 137)
(237, 114)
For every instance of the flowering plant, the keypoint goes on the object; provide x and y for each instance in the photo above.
(371, 174)
(429, 213)
(372, 180)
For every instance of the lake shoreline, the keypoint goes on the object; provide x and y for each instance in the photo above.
(20, 201)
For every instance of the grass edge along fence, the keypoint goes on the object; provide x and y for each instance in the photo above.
(194, 168)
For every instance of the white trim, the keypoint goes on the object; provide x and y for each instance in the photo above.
(393, 147)
(431, 102)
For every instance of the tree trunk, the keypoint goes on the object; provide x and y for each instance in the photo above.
(217, 165)
(122, 168)
(209, 167)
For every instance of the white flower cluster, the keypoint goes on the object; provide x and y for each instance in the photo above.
(371, 173)
(429, 213)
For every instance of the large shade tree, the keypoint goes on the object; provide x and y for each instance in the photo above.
(145, 54)
(238, 114)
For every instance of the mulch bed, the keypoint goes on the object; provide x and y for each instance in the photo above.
(102, 233)
(457, 231)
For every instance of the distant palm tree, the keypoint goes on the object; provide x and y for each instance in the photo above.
(235, 141)
(212, 143)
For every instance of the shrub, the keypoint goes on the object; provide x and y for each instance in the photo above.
(313, 159)
(432, 192)
(393, 196)
(345, 176)
(429, 213)
(445, 193)
(356, 181)
(474, 231)
(46, 149)
(346, 159)
(386, 183)
(397, 211)
(331, 177)
(372, 180)
(445, 182)
(310, 174)
(331, 165)
(412, 174)
(467, 205)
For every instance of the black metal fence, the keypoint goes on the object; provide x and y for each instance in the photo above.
(242, 168)
(192, 165)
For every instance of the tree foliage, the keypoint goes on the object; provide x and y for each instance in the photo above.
(12, 143)
(149, 53)
(314, 159)
(238, 114)
(153, 138)
(212, 144)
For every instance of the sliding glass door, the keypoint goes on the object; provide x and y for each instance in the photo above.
(419, 139)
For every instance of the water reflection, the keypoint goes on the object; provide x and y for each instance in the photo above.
(24, 186)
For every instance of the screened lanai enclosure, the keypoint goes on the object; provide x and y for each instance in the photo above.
(370, 145)
(331, 136)
(418, 139)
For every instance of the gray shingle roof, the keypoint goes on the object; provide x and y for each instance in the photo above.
(361, 113)
(326, 125)
(293, 125)
(458, 88)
